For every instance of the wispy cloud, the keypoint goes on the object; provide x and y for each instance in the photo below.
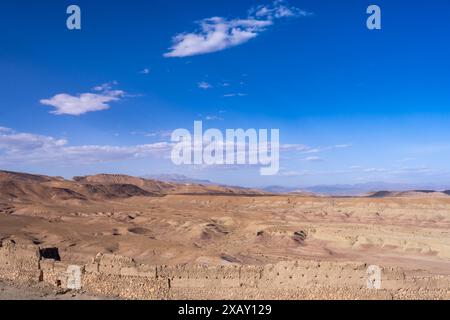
(28, 148)
(314, 159)
(66, 104)
(20, 147)
(105, 87)
(162, 134)
(213, 117)
(204, 85)
(293, 147)
(374, 170)
(412, 170)
(342, 146)
(145, 71)
(4, 129)
(301, 148)
(406, 159)
(231, 95)
(395, 171)
(329, 148)
(293, 174)
(216, 116)
(217, 33)
(278, 9)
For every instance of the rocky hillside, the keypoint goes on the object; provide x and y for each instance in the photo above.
(38, 188)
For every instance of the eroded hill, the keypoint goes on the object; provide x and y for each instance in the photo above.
(27, 188)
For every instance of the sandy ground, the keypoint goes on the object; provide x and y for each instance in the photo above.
(158, 223)
(14, 291)
(412, 233)
(406, 232)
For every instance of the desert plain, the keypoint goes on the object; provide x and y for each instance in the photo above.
(171, 224)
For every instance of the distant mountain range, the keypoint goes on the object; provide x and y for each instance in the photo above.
(355, 189)
(331, 190)
(177, 178)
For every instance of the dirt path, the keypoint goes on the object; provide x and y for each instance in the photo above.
(11, 291)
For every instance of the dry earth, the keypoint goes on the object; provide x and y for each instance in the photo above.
(168, 224)
(15, 291)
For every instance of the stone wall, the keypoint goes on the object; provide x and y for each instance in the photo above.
(117, 276)
(20, 262)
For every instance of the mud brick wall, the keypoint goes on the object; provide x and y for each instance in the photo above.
(117, 276)
(19, 263)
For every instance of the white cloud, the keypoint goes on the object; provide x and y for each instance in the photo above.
(13, 142)
(277, 10)
(231, 95)
(105, 86)
(162, 134)
(343, 146)
(18, 147)
(217, 33)
(4, 129)
(204, 85)
(292, 173)
(145, 71)
(289, 174)
(66, 104)
(417, 169)
(329, 148)
(99, 153)
(313, 150)
(22, 147)
(396, 171)
(295, 148)
(213, 117)
(314, 159)
(374, 170)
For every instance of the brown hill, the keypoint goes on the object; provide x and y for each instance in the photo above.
(164, 188)
(21, 187)
(302, 193)
(37, 188)
(408, 194)
(119, 179)
(17, 176)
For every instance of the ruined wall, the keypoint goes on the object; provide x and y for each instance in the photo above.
(19, 262)
(111, 275)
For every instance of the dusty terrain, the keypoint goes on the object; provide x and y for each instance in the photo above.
(172, 224)
(16, 291)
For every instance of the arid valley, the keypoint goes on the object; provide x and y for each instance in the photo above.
(155, 223)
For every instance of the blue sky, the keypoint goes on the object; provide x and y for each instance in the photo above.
(352, 105)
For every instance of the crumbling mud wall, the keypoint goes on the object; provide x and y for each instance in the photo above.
(19, 262)
(117, 276)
